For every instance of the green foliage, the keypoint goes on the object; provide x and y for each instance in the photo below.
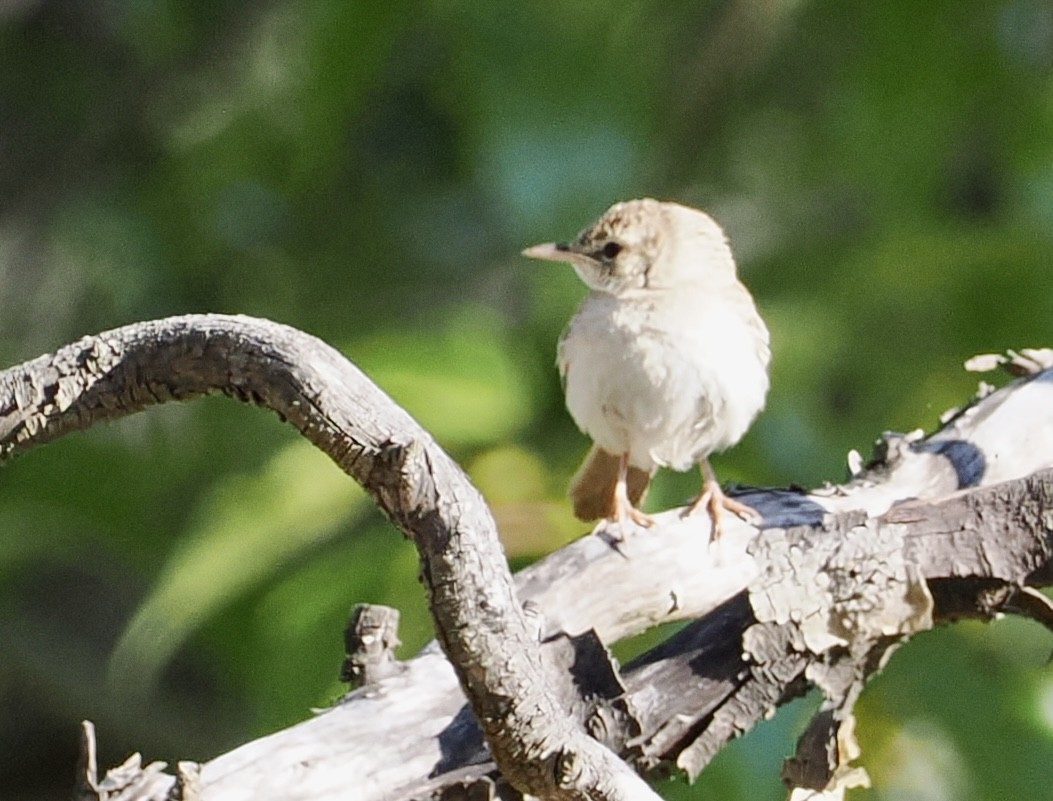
(461, 381)
(369, 173)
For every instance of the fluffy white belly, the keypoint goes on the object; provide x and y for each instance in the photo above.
(667, 382)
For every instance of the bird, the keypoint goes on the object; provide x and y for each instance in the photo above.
(664, 363)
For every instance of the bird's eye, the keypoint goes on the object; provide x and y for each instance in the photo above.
(611, 249)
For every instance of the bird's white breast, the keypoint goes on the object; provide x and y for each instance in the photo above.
(667, 377)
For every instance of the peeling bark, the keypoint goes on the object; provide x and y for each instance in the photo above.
(835, 582)
(479, 621)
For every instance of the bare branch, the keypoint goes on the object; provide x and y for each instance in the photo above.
(764, 634)
(478, 618)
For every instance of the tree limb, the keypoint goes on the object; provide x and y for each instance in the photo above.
(764, 633)
(480, 623)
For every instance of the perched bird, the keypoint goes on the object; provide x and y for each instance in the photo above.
(666, 360)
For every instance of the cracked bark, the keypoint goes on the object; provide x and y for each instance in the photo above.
(807, 602)
(477, 616)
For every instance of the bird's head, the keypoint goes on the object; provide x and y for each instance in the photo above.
(645, 244)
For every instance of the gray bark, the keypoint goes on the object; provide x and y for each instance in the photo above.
(836, 580)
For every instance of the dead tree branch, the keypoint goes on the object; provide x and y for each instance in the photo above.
(836, 581)
(480, 623)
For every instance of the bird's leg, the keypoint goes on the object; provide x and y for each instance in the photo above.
(623, 507)
(715, 501)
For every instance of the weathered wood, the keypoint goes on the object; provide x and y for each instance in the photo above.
(478, 618)
(370, 641)
(408, 736)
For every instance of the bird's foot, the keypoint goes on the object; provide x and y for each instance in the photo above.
(642, 519)
(715, 503)
(623, 512)
(624, 520)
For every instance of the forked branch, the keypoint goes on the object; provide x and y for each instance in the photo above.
(838, 579)
(478, 619)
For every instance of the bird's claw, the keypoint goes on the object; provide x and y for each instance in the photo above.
(716, 503)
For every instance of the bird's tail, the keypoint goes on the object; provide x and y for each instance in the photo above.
(592, 488)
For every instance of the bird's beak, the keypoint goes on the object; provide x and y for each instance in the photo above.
(550, 251)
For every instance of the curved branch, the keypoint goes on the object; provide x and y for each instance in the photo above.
(406, 734)
(479, 621)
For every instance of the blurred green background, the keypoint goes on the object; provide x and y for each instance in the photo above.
(369, 172)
